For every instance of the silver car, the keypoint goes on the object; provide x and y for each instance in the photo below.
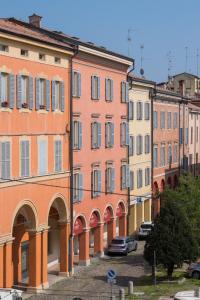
(194, 270)
(122, 245)
(145, 229)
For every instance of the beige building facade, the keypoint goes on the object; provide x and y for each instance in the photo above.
(139, 152)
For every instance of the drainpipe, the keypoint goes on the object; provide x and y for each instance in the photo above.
(71, 163)
(179, 150)
(129, 197)
(152, 95)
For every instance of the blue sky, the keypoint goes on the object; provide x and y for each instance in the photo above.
(160, 26)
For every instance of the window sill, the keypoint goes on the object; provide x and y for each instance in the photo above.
(59, 112)
(7, 109)
(24, 110)
(42, 111)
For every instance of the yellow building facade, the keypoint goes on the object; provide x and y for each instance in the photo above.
(139, 152)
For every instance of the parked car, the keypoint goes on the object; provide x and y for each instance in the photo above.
(194, 270)
(122, 245)
(145, 229)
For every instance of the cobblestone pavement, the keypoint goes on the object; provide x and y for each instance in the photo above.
(90, 283)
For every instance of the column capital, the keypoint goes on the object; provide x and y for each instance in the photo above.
(63, 222)
(6, 240)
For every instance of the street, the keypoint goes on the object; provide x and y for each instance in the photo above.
(91, 283)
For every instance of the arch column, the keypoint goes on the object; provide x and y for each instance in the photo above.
(84, 255)
(44, 258)
(111, 226)
(122, 225)
(143, 210)
(64, 249)
(8, 265)
(1, 265)
(98, 240)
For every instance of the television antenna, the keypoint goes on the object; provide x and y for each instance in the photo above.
(141, 60)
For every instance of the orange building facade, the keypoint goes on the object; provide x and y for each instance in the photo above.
(34, 160)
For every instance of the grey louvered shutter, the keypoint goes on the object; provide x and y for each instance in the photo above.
(112, 134)
(5, 160)
(121, 134)
(98, 87)
(127, 176)
(79, 85)
(127, 92)
(11, 91)
(80, 191)
(92, 135)
(131, 180)
(37, 93)
(99, 182)
(99, 134)
(112, 180)
(107, 89)
(111, 90)
(127, 133)
(30, 91)
(53, 96)
(0, 89)
(80, 138)
(92, 87)
(47, 95)
(73, 84)
(123, 92)
(123, 170)
(19, 91)
(106, 134)
(62, 97)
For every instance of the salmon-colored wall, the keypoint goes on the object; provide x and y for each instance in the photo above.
(87, 156)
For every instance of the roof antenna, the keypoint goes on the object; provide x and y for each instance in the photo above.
(141, 60)
(169, 60)
(129, 40)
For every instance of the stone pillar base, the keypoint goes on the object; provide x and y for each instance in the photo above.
(63, 274)
(99, 254)
(84, 262)
(45, 285)
(72, 272)
(35, 290)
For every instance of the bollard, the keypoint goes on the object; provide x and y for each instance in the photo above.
(121, 294)
(197, 292)
(130, 287)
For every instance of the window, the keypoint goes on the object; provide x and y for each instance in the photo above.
(109, 130)
(25, 158)
(58, 96)
(169, 120)
(76, 84)
(41, 56)
(96, 135)
(139, 178)
(124, 92)
(110, 180)
(3, 48)
(186, 136)
(139, 111)
(42, 93)
(57, 60)
(147, 144)
(131, 110)
(175, 153)
(5, 160)
(162, 155)
(42, 157)
(147, 176)
(109, 89)
(131, 180)
(191, 137)
(181, 135)
(155, 157)
(24, 52)
(96, 183)
(169, 154)
(95, 87)
(124, 134)
(58, 155)
(155, 119)
(139, 144)
(24, 92)
(78, 187)
(77, 140)
(131, 146)
(162, 119)
(4, 87)
(147, 111)
(175, 120)
(125, 177)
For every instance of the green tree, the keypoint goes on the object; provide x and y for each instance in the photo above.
(172, 238)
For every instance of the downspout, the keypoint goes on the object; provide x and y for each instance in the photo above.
(153, 94)
(71, 163)
(129, 196)
(179, 150)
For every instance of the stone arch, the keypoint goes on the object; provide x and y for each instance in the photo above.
(155, 187)
(123, 206)
(120, 214)
(98, 213)
(28, 210)
(59, 203)
(110, 208)
(82, 217)
(162, 185)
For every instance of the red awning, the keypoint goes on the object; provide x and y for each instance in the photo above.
(78, 226)
(107, 215)
(94, 220)
(119, 212)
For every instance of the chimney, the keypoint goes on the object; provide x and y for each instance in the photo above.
(35, 20)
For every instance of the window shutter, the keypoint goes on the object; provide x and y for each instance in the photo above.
(73, 84)
(19, 91)
(42, 157)
(5, 160)
(80, 191)
(107, 88)
(127, 92)
(80, 136)
(99, 182)
(112, 134)
(53, 96)
(0, 89)
(123, 171)
(92, 87)
(141, 141)
(99, 134)
(37, 104)
(123, 91)
(127, 133)
(112, 179)
(62, 96)
(92, 135)
(30, 92)
(27, 157)
(121, 134)
(11, 91)
(127, 176)
(131, 180)
(79, 84)
(98, 90)
(106, 134)
(47, 95)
